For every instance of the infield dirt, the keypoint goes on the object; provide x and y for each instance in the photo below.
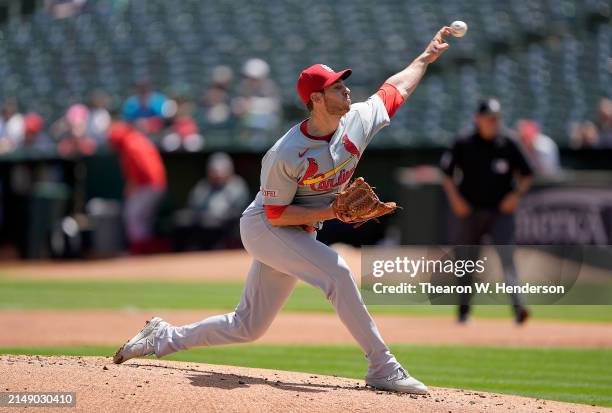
(112, 327)
(154, 386)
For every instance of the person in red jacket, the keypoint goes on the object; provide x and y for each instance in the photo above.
(145, 183)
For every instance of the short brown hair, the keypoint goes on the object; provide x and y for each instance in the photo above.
(310, 105)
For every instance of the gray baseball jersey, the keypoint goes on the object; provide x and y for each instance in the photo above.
(308, 171)
(300, 170)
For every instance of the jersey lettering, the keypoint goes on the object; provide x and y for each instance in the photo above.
(268, 193)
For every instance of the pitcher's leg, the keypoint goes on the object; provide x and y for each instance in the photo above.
(301, 255)
(346, 298)
(264, 293)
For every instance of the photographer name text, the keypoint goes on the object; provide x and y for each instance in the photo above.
(478, 288)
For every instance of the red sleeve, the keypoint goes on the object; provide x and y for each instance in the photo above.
(274, 211)
(391, 97)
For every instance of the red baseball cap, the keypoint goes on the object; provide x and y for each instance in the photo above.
(316, 78)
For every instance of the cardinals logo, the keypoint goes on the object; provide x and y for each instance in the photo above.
(337, 176)
(350, 146)
(328, 180)
(311, 171)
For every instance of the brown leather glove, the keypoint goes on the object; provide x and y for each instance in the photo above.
(358, 203)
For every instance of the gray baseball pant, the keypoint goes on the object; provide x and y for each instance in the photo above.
(281, 256)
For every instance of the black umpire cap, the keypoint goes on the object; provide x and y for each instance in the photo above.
(490, 106)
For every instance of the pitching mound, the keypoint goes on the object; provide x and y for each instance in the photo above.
(154, 385)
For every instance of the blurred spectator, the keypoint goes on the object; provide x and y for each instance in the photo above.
(584, 135)
(541, 150)
(35, 136)
(145, 109)
(62, 9)
(258, 104)
(71, 131)
(214, 208)
(486, 195)
(589, 134)
(99, 116)
(145, 184)
(183, 132)
(216, 111)
(604, 122)
(12, 127)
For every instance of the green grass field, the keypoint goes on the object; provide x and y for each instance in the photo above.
(29, 294)
(572, 375)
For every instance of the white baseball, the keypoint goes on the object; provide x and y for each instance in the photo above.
(458, 28)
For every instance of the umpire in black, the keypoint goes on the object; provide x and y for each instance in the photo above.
(485, 176)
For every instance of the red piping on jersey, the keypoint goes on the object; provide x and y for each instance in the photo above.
(391, 97)
(304, 130)
(274, 211)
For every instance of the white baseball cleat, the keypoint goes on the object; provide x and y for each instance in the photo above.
(399, 381)
(142, 344)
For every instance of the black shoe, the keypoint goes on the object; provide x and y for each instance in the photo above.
(522, 315)
(464, 312)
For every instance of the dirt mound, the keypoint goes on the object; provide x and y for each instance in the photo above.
(111, 327)
(154, 385)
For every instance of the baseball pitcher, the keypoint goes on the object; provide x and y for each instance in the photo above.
(304, 181)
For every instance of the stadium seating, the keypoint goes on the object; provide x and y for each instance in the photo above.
(545, 59)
